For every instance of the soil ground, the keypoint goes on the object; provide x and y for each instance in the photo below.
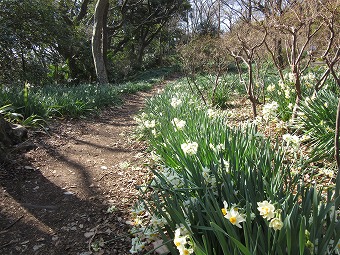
(54, 198)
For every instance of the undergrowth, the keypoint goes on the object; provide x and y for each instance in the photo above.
(31, 102)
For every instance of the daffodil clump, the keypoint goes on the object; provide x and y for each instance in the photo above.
(175, 102)
(236, 216)
(228, 190)
(283, 92)
(209, 177)
(146, 125)
(170, 177)
(218, 148)
(212, 113)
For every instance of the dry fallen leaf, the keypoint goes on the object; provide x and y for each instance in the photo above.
(88, 234)
(159, 247)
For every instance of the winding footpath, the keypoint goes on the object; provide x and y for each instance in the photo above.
(72, 193)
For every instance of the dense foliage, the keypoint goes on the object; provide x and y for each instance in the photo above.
(50, 41)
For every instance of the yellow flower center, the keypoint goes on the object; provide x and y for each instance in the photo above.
(177, 244)
(186, 252)
(224, 211)
(266, 210)
(233, 220)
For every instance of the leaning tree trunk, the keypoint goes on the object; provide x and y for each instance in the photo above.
(98, 41)
(10, 135)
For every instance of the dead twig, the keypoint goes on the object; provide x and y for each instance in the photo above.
(7, 244)
(12, 224)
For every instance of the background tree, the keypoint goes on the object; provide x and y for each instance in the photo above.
(26, 32)
(42, 41)
(132, 26)
(297, 26)
(74, 40)
(99, 40)
(205, 55)
(242, 43)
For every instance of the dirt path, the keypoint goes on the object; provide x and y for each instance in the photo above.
(55, 199)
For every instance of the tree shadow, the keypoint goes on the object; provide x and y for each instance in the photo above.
(50, 216)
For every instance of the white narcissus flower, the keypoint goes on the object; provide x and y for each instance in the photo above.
(150, 124)
(271, 88)
(269, 110)
(291, 77)
(235, 217)
(138, 209)
(208, 177)
(220, 147)
(181, 243)
(276, 224)
(292, 140)
(185, 251)
(175, 102)
(178, 124)
(154, 132)
(266, 209)
(179, 240)
(190, 148)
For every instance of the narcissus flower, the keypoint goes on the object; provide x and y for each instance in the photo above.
(150, 123)
(276, 224)
(178, 124)
(182, 243)
(235, 217)
(175, 102)
(211, 113)
(292, 140)
(190, 148)
(269, 110)
(266, 209)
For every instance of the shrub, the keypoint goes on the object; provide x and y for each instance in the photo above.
(317, 122)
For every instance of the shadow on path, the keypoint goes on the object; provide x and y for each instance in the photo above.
(57, 193)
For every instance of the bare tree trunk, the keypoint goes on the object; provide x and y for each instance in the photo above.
(105, 35)
(296, 72)
(98, 38)
(280, 54)
(250, 10)
(337, 149)
(337, 135)
(279, 41)
(251, 89)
